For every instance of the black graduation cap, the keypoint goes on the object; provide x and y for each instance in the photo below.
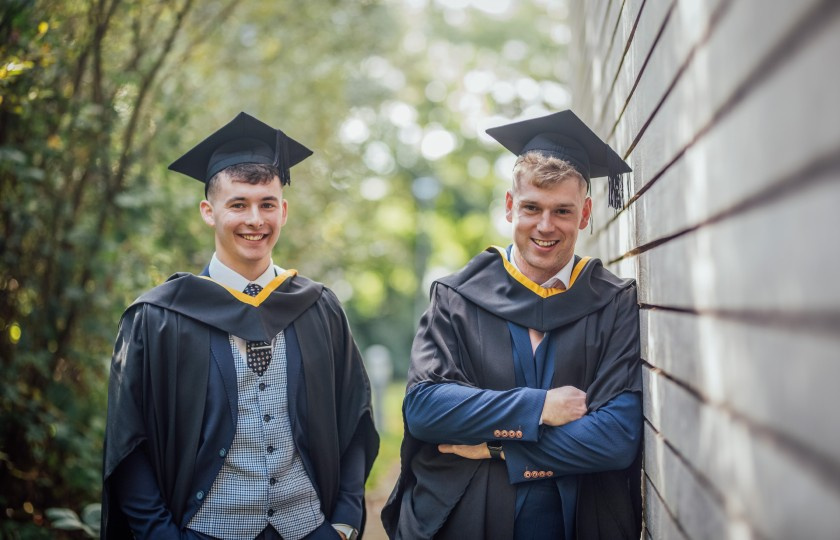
(242, 140)
(565, 136)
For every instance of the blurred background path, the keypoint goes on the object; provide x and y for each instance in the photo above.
(386, 469)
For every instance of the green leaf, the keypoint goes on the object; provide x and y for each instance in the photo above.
(57, 514)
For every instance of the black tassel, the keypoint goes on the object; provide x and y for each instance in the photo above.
(615, 188)
(281, 158)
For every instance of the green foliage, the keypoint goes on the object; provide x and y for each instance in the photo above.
(97, 98)
(77, 80)
(68, 520)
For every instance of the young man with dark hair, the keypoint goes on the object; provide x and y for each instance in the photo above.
(238, 403)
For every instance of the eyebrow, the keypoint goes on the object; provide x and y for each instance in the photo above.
(539, 203)
(266, 198)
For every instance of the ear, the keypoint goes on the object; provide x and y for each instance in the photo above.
(206, 210)
(509, 206)
(586, 213)
(284, 209)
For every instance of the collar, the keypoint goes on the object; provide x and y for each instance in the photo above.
(230, 278)
(560, 280)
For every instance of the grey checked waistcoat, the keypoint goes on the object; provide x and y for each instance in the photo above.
(263, 480)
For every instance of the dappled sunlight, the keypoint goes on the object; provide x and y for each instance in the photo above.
(379, 158)
(403, 280)
(374, 188)
(395, 217)
(383, 71)
(399, 113)
(503, 227)
(354, 130)
(478, 167)
(437, 143)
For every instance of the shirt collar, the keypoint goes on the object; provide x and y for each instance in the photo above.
(232, 279)
(560, 280)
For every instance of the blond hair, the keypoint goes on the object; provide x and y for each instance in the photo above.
(544, 171)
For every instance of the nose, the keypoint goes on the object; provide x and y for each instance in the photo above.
(545, 224)
(254, 218)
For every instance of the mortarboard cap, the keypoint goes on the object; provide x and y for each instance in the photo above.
(563, 135)
(242, 140)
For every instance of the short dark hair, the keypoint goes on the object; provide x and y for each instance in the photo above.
(252, 173)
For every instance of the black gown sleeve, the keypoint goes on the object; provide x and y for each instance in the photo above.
(620, 366)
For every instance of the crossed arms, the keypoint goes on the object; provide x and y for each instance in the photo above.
(462, 419)
(554, 430)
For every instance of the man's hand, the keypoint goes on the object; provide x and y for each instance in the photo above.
(563, 405)
(469, 451)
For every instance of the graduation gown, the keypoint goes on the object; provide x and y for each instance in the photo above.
(464, 339)
(173, 391)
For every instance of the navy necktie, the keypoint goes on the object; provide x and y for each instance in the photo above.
(258, 353)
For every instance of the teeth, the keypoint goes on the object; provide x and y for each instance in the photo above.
(253, 236)
(544, 243)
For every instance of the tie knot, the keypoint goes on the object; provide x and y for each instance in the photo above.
(554, 283)
(253, 289)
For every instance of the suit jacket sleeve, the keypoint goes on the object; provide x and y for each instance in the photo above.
(603, 440)
(457, 414)
(351, 489)
(443, 404)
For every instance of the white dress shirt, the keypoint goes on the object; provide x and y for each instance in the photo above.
(560, 280)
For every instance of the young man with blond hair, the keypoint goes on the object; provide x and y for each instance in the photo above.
(523, 405)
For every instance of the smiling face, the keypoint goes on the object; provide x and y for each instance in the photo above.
(546, 221)
(247, 218)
